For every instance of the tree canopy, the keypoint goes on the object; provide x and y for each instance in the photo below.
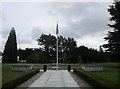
(65, 46)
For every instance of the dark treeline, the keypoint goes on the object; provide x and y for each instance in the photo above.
(32, 55)
(68, 52)
(92, 55)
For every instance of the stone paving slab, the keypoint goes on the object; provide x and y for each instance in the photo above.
(54, 79)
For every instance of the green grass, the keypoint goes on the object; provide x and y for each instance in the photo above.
(8, 75)
(109, 75)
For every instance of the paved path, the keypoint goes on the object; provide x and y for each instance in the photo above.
(53, 78)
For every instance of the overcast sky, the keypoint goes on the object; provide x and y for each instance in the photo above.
(86, 22)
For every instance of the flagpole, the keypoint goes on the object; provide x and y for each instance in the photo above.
(57, 47)
(57, 52)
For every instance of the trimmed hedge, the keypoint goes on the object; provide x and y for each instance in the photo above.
(90, 79)
(17, 81)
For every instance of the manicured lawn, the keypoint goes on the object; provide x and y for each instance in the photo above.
(109, 75)
(8, 75)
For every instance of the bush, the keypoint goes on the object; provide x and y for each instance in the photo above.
(37, 57)
(90, 79)
(17, 81)
(92, 55)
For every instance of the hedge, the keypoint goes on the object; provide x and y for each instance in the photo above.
(91, 79)
(17, 81)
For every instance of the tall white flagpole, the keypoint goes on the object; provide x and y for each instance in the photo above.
(57, 47)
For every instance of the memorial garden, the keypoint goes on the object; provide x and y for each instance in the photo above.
(58, 59)
(109, 76)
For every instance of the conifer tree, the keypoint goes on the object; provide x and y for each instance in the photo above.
(113, 37)
(10, 50)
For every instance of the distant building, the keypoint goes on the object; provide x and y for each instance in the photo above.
(0, 57)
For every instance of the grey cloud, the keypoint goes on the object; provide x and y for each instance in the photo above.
(74, 9)
(24, 40)
(5, 33)
(36, 32)
(82, 18)
(23, 37)
(66, 9)
(77, 19)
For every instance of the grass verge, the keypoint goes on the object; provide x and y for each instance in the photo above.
(11, 79)
(108, 78)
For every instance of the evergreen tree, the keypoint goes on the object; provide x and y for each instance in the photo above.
(10, 51)
(113, 37)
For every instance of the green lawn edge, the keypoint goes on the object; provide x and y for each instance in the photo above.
(11, 84)
(94, 80)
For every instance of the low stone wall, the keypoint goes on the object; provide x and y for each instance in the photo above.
(20, 67)
(92, 68)
(37, 67)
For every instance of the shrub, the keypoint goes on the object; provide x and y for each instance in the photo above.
(90, 79)
(37, 57)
